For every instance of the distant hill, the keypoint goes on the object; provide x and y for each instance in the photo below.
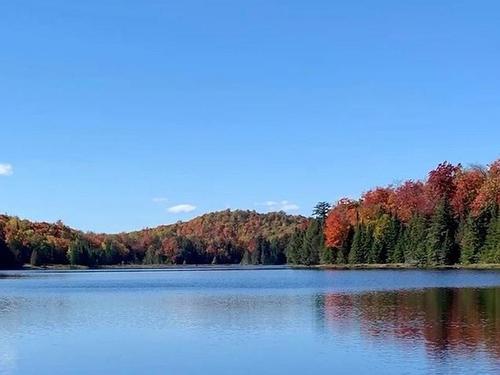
(452, 217)
(218, 237)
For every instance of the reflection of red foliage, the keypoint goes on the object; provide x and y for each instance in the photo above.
(447, 320)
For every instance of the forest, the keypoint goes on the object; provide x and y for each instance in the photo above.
(450, 218)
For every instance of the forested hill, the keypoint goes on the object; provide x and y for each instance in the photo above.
(453, 216)
(220, 237)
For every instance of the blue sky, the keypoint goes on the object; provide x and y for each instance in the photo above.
(112, 112)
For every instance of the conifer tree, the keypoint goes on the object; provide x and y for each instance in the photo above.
(294, 248)
(356, 255)
(470, 243)
(313, 243)
(320, 211)
(491, 250)
(440, 237)
(415, 250)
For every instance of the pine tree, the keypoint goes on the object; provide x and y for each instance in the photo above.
(356, 253)
(415, 250)
(366, 244)
(321, 210)
(398, 256)
(491, 250)
(440, 238)
(326, 256)
(392, 239)
(294, 248)
(78, 252)
(470, 243)
(313, 243)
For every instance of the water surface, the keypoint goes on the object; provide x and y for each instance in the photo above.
(270, 321)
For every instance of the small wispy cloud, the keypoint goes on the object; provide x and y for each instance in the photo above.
(181, 208)
(160, 199)
(283, 205)
(6, 169)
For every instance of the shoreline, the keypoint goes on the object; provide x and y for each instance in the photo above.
(206, 267)
(400, 266)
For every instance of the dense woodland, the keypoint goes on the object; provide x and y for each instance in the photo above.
(226, 237)
(452, 217)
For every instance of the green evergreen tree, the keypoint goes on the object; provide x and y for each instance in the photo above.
(398, 255)
(392, 241)
(366, 243)
(356, 253)
(491, 250)
(294, 248)
(110, 252)
(313, 243)
(78, 253)
(415, 241)
(470, 243)
(326, 256)
(320, 211)
(441, 248)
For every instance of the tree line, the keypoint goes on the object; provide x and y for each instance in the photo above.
(451, 217)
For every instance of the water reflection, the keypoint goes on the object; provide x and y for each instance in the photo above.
(266, 322)
(448, 321)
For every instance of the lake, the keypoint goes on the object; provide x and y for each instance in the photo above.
(250, 321)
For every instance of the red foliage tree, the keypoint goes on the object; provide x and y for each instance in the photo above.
(339, 221)
(489, 193)
(467, 186)
(410, 199)
(376, 202)
(441, 182)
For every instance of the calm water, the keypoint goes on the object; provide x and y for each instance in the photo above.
(250, 322)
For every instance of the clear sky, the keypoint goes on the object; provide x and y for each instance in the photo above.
(112, 112)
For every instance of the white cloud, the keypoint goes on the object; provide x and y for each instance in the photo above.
(6, 170)
(159, 199)
(280, 206)
(181, 208)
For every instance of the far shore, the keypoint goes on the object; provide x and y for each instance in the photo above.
(395, 266)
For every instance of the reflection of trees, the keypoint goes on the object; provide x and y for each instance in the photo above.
(447, 321)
